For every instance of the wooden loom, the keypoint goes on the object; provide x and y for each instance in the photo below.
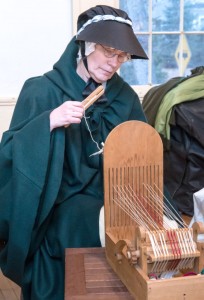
(139, 247)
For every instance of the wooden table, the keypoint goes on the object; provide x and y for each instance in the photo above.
(89, 277)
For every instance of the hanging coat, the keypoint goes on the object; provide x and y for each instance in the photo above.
(176, 110)
(184, 160)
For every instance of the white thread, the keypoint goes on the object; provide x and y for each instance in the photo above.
(126, 198)
(100, 149)
(163, 243)
(98, 18)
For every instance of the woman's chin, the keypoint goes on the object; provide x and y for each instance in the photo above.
(103, 78)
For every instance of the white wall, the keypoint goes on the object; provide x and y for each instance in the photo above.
(33, 35)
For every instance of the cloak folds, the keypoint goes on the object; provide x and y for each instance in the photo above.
(51, 189)
(27, 155)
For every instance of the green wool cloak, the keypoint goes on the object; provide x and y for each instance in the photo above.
(51, 189)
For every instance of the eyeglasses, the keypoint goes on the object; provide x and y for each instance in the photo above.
(111, 52)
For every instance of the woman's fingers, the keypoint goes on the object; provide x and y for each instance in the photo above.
(67, 113)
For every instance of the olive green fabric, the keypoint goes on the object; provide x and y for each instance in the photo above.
(153, 98)
(51, 189)
(188, 90)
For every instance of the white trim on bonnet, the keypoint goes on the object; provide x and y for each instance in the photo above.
(89, 48)
(104, 18)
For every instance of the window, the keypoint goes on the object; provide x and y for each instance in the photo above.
(172, 34)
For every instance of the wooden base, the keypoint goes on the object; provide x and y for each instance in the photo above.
(142, 288)
(88, 276)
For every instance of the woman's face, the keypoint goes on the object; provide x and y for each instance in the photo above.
(101, 67)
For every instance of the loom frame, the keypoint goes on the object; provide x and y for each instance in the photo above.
(137, 143)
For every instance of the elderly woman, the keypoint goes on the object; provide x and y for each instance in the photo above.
(51, 179)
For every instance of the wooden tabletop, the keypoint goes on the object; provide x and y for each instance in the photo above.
(88, 276)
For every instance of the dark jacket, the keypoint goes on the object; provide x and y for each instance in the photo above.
(184, 151)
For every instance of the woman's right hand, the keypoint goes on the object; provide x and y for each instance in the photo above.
(68, 113)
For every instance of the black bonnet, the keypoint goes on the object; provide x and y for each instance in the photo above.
(109, 26)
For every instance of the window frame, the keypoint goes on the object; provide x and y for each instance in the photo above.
(181, 32)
